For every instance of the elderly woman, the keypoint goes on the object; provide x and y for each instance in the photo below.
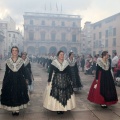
(59, 95)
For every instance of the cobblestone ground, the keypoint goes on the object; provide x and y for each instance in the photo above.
(84, 110)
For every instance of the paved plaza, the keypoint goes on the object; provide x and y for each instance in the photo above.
(83, 111)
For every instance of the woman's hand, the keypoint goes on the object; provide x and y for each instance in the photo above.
(96, 81)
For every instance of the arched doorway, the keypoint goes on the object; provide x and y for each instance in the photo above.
(53, 50)
(42, 50)
(31, 50)
(64, 49)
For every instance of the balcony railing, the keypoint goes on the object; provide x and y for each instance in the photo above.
(50, 41)
(50, 26)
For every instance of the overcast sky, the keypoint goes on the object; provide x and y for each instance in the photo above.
(89, 10)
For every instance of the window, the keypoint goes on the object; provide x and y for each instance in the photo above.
(74, 38)
(106, 43)
(74, 24)
(100, 44)
(31, 35)
(114, 31)
(94, 44)
(53, 23)
(43, 36)
(106, 33)
(62, 23)
(113, 51)
(43, 22)
(94, 27)
(31, 22)
(94, 36)
(94, 53)
(13, 35)
(100, 35)
(63, 37)
(114, 42)
(9, 35)
(110, 31)
(53, 36)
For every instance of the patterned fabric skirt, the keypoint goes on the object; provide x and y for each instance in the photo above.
(59, 95)
(95, 95)
(76, 81)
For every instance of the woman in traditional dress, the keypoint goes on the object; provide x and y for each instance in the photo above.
(14, 94)
(103, 89)
(77, 85)
(28, 71)
(82, 63)
(59, 95)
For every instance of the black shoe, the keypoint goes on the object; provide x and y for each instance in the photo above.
(104, 106)
(61, 112)
(58, 112)
(17, 113)
(13, 113)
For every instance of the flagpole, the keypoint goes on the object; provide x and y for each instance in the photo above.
(61, 8)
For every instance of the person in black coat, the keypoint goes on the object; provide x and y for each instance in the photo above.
(82, 63)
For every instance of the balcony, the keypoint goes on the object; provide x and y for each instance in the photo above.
(51, 42)
(37, 27)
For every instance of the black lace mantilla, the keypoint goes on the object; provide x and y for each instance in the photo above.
(61, 88)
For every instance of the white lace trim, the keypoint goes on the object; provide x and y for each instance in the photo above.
(52, 58)
(102, 64)
(15, 66)
(62, 66)
(14, 108)
(26, 61)
(71, 62)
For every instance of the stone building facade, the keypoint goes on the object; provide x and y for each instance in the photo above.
(47, 33)
(106, 35)
(86, 39)
(1, 43)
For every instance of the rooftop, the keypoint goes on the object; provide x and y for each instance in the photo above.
(108, 19)
(50, 15)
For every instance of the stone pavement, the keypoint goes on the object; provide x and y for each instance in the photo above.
(83, 111)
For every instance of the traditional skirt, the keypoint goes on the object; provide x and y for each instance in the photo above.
(95, 95)
(76, 81)
(14, 93)
(59, 94)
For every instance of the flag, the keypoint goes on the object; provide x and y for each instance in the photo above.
(61, 8)
(45, 7)
(50, 7)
